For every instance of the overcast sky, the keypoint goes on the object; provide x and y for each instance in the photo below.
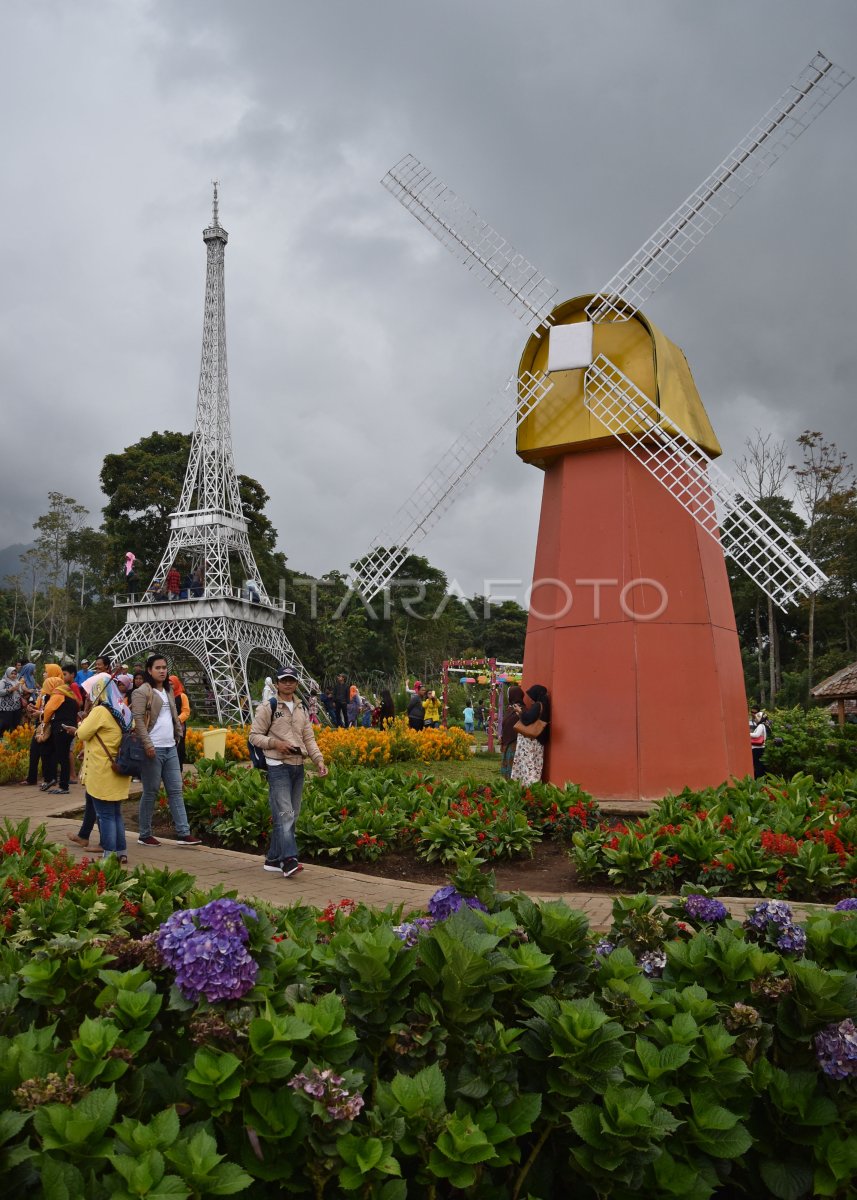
(357, 346)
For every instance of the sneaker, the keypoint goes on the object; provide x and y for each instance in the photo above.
(188, 839)
(57, 791)
(276, 867)
(148, 841)
(291, 866)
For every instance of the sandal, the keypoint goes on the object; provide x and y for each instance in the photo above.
(122, 859)
(46, 787)
(79, 841)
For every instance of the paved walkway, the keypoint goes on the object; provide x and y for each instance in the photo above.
(243, 872)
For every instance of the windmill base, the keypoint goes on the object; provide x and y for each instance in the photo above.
(632, 630)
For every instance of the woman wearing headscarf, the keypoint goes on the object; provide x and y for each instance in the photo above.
(101, 733)
(60, 723)
(352, 708)
(125, 686)
(10, 700)
(529, 760)
(182, 711)
(508, 733)
(41, 746)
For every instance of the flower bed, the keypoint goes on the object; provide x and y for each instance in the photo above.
(774, 838)
(236, 744)
(15, 754)
(360, 747)
(180, 1043)
(361, 814)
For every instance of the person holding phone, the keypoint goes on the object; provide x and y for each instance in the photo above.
(60, 723)
(284, 733)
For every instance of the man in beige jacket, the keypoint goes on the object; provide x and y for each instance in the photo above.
(285, 736)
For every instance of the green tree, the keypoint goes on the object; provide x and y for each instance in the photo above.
(823, 474)
(57, 548)
(143, 486)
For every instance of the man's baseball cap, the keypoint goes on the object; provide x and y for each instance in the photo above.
(288, 672)
(84, 660)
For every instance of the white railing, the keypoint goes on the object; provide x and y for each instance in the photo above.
(132, 599)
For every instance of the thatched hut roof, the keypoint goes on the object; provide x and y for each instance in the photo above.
(840, 686)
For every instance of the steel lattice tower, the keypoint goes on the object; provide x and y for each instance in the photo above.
(223, 625)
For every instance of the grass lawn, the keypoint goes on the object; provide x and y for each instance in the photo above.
(485, 768)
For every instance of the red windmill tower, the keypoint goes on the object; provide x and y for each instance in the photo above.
(631, 624)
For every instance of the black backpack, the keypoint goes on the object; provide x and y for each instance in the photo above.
(257, 754)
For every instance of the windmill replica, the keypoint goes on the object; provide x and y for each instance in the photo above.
(642, 658)
(217, 624)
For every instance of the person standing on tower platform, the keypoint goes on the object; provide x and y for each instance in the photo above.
(285, 734)
(174, 583)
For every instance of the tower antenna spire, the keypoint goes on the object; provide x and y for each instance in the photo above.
(216, 184)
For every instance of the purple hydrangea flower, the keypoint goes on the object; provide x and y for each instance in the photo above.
(603, 948)
(705, 908)
(849, 904)
(652, 963)
(409, 931)
(326, 1087)
(206, 948)
(792, 940)
(836, 1050)
(776, 911)
(448, 900)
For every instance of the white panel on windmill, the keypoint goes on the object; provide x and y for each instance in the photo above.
(570, 347)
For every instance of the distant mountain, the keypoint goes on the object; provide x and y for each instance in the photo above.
(10, 560)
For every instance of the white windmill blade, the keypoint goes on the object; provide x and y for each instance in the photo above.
(477, 245)
(470, 452)
(818, 85)
(764, 551)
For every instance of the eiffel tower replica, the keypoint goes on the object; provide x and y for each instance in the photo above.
(212, 625)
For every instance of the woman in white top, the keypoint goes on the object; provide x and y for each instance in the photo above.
(157, 725)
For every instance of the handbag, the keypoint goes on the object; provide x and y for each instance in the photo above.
(42, 733)
(531, 731)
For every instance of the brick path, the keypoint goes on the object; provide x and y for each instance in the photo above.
(243, 872)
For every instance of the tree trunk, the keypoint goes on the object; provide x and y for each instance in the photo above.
(773, 639)
(760, 657)
(810, 649)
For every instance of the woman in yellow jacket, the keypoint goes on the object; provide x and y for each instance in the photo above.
(101, 733)
(431, 707)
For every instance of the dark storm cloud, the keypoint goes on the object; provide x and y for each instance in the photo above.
(358, 347)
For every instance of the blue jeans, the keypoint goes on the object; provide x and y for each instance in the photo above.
(164, 767)
(285, 787)
(89, 819)
(111, 825)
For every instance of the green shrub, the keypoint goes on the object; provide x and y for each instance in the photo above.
(809, 743)
(497, 1053)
